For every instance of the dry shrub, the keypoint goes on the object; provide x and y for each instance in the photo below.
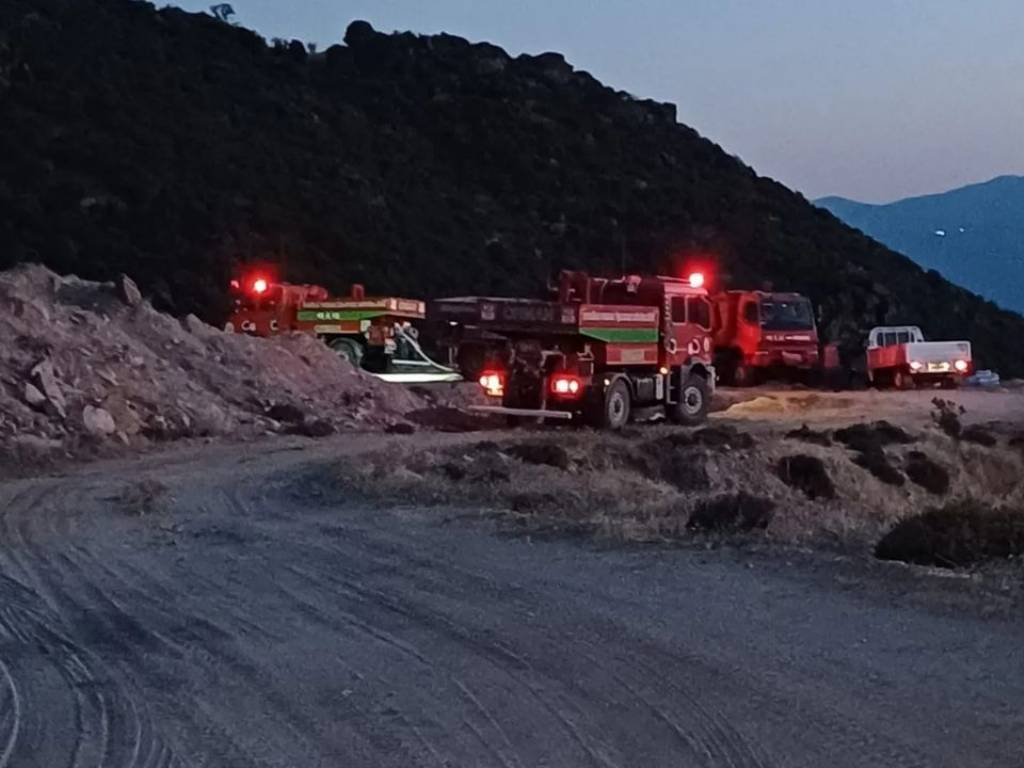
(959, 534)
(541, 452)
(877, 463)
(872, 437)
(808, 435)
(978, 435)
(808, 474)
(926, 473)
(946, 416)
(732, 512)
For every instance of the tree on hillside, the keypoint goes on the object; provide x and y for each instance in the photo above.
(223, 12)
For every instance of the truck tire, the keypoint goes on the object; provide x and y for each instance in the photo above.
(902, 380)
(694, 402)
(612, 409)
(743, 375)
(348, 349)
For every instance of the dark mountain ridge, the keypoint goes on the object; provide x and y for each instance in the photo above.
(973, 235)
(172, 146)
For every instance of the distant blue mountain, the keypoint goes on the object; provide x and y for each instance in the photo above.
(973, 236)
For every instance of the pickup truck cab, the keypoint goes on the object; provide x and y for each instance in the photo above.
(899, 357)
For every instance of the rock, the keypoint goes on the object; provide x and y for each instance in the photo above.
(34, 445)
(401, 428)
(286, 412)
(127, 291)
(312, 428)
(46, 381)
(359, 32)
(98, 421)
(34, 397)
(197, 327)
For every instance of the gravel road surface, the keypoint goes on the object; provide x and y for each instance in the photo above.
(244, 621)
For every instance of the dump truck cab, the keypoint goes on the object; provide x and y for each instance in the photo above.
(758, 332)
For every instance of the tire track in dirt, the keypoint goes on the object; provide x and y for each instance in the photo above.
(106, 725)
(501, 658)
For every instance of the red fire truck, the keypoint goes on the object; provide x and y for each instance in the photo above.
(377, 333)
(598, 352)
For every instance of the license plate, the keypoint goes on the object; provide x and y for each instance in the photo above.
(938, 367)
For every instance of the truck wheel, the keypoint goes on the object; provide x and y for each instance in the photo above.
(744, 375)
(348, 349)
(614, 408)
(902, 380)
(694, 403)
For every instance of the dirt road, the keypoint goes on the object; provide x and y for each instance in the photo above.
(246, 623)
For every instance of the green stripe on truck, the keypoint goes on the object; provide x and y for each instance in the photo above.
(326, 315)
(622, 335)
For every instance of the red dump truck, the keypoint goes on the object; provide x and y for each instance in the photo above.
(377, 333)
(600, 351)
(899, 357)
(761, 333)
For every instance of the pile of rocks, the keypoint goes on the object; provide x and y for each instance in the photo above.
(85, 365)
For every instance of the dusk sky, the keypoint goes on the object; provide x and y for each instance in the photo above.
(870, 99)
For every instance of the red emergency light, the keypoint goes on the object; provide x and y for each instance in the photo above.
(259, 285)
(696, 279)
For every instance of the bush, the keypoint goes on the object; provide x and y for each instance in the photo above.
(877, 463)
(957, 535)
(946, 416)
(808, 474)
(734, 512)
(539, 452)
(808, 435)
(872, 437)
(926, 473)
(978, 435)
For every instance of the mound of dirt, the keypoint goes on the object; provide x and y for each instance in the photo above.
(86, 366)
(732, 512)
(808, 474)
(959, 534)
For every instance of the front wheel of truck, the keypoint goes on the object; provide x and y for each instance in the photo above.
(694, 402)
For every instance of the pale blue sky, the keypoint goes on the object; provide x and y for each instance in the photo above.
(871, 99)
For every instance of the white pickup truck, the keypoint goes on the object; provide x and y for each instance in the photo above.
(899, 357)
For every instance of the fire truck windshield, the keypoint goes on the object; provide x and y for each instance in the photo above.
(786, 315)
